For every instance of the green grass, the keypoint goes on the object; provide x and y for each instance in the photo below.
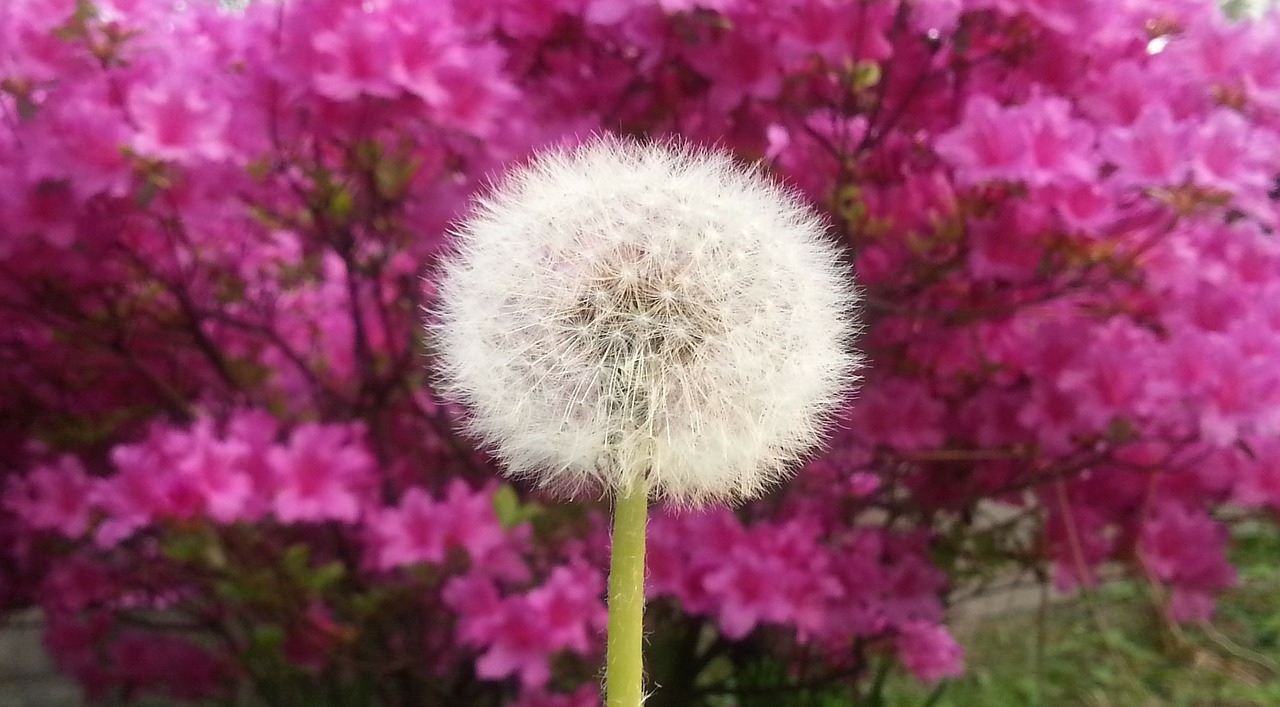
(1113, 648)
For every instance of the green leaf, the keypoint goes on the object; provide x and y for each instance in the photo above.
(183, 547)
(266, 637)
(340, 205)
(510, 511)
(865, 74)
(326, 576)
(296, 560)
(506, 505)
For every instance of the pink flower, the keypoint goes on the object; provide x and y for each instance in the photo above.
(1262, 65)
(862, 484)
(423, 530)
(738, 69)
(887, 584)
(1082, 532)
(885, 406)
(1039, 142)
(1111, 379)
(217, 468)
(571, 603)
(322, 473)
(255, 432)
(1228, 155)
(1212, 52)
(1060, 145)
(42, 209)
(1084, 205)
(1185, 547)
(1257, 482)
(356, 56)
(836, 32)
(77, 583)
(1007, 246)
(676, 567)
(78, 140)
(745, 588)
(146, 486)
(472, 523)
(930, 653)
(475, 597)
(1051, 415)
(409, 533)
(179, 123)
(167, 666)
(177, 473)
(518, 634)
(936, 15)
(990, 143)
(470, 105)
(1150, 152)
(52, 497)
(1120, 93)
(778, 575)
(608, 12)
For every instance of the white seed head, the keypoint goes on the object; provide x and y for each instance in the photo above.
(624, 309)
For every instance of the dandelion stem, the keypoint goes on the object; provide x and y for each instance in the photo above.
(624, 661)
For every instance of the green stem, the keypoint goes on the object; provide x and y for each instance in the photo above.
(624, 671)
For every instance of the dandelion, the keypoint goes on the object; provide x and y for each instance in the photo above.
(644, 320)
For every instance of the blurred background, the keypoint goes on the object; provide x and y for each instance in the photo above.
(225, 478)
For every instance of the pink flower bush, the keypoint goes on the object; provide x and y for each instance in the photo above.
(218, 409)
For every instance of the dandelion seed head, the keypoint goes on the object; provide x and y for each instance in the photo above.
(620, 309)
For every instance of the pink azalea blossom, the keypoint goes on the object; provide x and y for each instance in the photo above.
(217, 467)
(145, 487)
(167, 666)
(322, 473)
(356, 57)
(1229, 155)
(52, 497)
(518, 633)
(422, 529)
(1185, 548)
(881, 406)
(179, 123)
(834, 32)
(1060, 144)
(990, 143)
(77, 584)
(930, 652)
(1149, 152)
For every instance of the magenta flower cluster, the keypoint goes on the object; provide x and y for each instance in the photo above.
(224, 467)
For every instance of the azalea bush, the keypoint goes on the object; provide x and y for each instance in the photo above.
(227, 478)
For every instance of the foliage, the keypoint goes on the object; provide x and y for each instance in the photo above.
(223, 463)
(1114, 647)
